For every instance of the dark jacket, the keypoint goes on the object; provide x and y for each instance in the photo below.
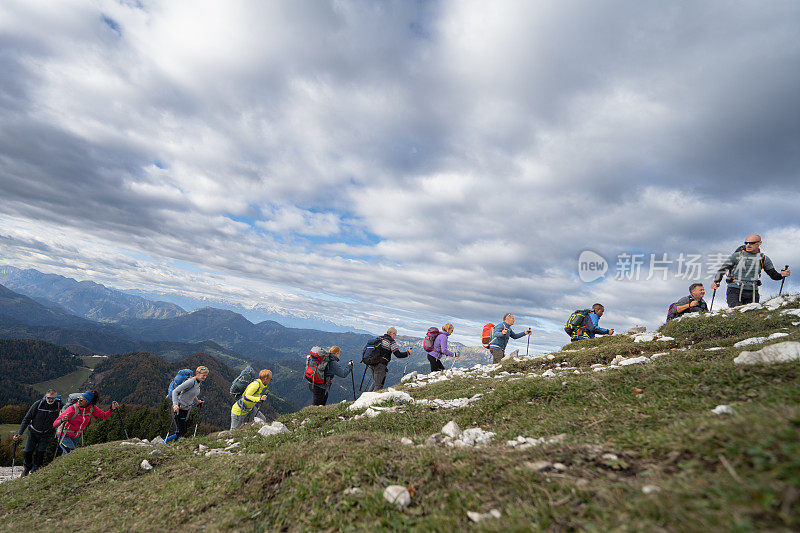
(335, 368)
(589, 327)
(673, 313)
(40, 417)
(390, 348)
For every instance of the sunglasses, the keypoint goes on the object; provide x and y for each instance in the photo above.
(751, 242)
(49, 399)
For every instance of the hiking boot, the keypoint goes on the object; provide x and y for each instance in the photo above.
(25, 471)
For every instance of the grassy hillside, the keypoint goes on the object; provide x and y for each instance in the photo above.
(636, 448)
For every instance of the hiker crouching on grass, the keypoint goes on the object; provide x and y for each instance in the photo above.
(588, 327)
(39, 423)
(184, 396)
(76, 417)
(744, 268)
(332, 368)
(693, 303)
(440, 348)
(388, 348)
(500, 336)
(245, 409)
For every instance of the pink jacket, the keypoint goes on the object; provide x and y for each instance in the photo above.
(78, 422)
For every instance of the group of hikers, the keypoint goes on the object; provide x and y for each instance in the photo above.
(50, 416)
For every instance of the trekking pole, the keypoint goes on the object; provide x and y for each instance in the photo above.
(173, 423)
(197, 423)
(713, 295)
(353, 379)
(362, 378)
(784, 279)
(124, 426)
(14, 458)
(528, 346)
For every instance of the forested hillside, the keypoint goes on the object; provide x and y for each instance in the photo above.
(25, 362)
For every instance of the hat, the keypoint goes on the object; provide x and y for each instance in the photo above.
(88, 396)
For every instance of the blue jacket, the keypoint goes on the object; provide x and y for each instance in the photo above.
(499, 340)
(335, 368)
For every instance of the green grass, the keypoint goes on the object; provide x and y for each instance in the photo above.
(8, 429)
(71, 382)
(715, 473)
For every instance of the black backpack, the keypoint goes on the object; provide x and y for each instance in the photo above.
(575, 320)
(372, 352)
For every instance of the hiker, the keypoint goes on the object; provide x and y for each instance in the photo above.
(500, 336)
(388, 348)
(693, 303)
(184, 396)
(744, 268)
(440, 348)
(246, 408)
(39, 423)
(587, 327)
(76, 417)
(332, 368)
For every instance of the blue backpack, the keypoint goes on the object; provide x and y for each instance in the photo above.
(180, 377)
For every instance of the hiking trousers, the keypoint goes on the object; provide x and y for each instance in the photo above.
(436, 364)
(320, 394)
(35, 446)
(732, 295)
(378, 376)
(497, 354)
(238, 421)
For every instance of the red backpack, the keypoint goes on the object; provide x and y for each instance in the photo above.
(486, 336)
(315, 367)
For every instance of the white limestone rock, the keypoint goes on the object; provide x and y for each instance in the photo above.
(276, 428)
(774, 353)
(480, 517)
(368, 399)
(722, 410)
(145, 465)
(398, 496)
(634, 361)
(451, 429)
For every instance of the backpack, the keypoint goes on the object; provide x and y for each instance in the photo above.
(316, 363)
(245, 378)
(669, 311)
(71, 399)
(486, 336)
(736, 269)
(575, 320)
(430, 338)
(371, 355)
(180, 377)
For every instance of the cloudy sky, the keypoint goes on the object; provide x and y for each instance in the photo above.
(399, 163)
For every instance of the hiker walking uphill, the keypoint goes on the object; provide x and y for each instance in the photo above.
(76, 417)
(245, 409)
(500, 335)
(744, 268)
(435, 344)
(39, 423)
(583, 324)
(184, 396)
(693, 303)
(377, 355)
(321, 366)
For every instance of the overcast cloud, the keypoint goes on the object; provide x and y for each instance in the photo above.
(397, 163)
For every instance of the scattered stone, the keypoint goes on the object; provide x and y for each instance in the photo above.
(715, 349)
(474, 437)
(749, 307)
(156, 452)
(434, 440)
(158, 441)
(657, 355)
(722, 410)
(276, 428)
(397, 495)
(407, 377)
(145, 465)
(644, 337)
(479, 517)
(139, 443)
(217, 451)
(637, 329)
(406, 441)
(539, 466)
(610, 457)
(352, 491)
(651, 489)
(368, 399)
(634, 361)
(451, 429)
(548, 373)
(559, 467)
(774, 353)
(795, 312)
(202, 447)
(258, 422)
(305, 421)
(759, 340)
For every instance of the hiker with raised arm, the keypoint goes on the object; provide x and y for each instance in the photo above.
(377, 355)
(321, 366)
(39, 423)
(74, 419)
(245, 409)
(500, 335)
(184, 396)
(693, 303)
(583, 324)
(744, 268)
(435, 344)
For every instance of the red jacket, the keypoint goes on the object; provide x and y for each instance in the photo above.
(78, 422)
